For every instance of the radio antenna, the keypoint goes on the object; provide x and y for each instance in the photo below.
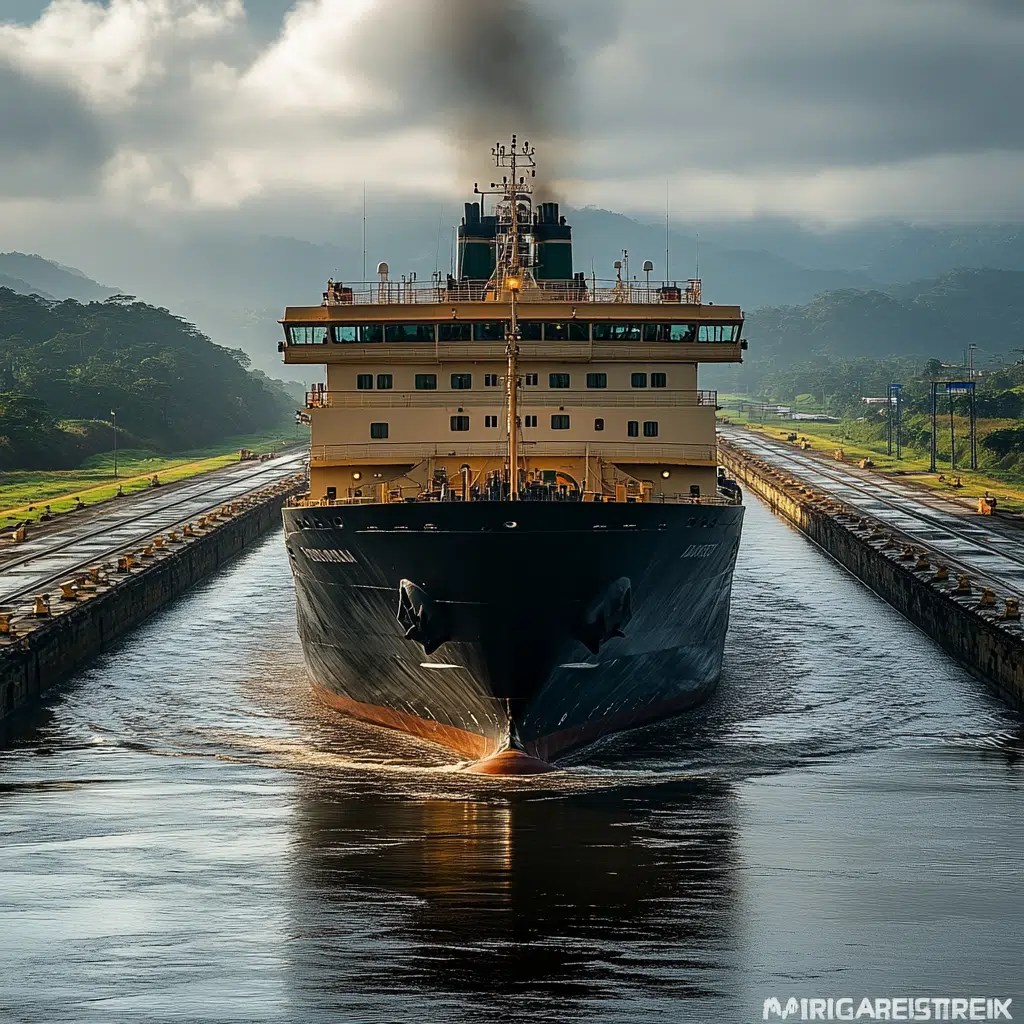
(364, 230)
(667, 235)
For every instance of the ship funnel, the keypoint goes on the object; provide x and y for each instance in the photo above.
(382, 271)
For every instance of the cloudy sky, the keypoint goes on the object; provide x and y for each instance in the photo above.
(826, 111)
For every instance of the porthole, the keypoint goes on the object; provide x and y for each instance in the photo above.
(511, 524)
(338, 522)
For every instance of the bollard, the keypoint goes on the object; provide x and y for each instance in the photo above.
(67, 591)
(6, 626)
(41, 606)
(1011, 609)
(158, 542)
(147, 551)
(188, 531)
(172, 537)
(922, 562)
(941, 573)
(988, 598)
(963, 585)
(94, 574)
(907, 554)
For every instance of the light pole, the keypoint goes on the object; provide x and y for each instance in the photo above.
(113, 417)
(971, 349)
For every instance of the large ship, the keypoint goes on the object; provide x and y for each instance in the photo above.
(516, 538)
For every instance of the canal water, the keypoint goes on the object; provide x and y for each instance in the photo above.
(187, 836)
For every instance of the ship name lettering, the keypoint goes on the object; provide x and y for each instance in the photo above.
(699, 551)
(328, 555)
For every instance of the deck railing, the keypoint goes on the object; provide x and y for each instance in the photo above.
(591, 289)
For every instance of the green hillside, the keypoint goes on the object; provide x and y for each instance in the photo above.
(65, 366)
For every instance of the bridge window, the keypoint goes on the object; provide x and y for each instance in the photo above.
(599, 424)
(490, 421)
(426, 381)
(718, 332)
(307, 335)
(454, 332)
(678, 332)
(462, 381)
(530, 330)
(460, 423)
(559, 422)
(597, 380)
(639, 380)
(617, 332)
(659, 380)
(633, 428)
(385, 381)
(650, 428)
(531, 380)
(558, 380)
(378, 431)
(490, 380)
(489, 331)
(571, 330)
(345, 334)
(409, 332)
(531, 421)
(364, 382)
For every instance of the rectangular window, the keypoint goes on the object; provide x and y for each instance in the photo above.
(599, 424)
(531, 421)
(633, 428)
(378, 431)
(490, 421)
(364, 382)
(462, 381)
(426, 381)
(385, 381)
(494, 331)
(560, 421)
(617, 332)
(454, 332)
(681, 332)
(597, 380)
(650, 428)
(531, 380)
(307, 335)
(529, 330)
(460, 423)
(490, 380)
(346, 334)
(409, 332)
(354, 334)
(717, 332)
(558, 380)
(659, 380)
(639, 380)
(571, 330)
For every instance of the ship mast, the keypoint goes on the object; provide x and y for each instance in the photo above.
(513, 272)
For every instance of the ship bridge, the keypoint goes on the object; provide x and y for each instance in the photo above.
(514, 377)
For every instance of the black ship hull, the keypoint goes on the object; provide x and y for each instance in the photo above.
(539, 626)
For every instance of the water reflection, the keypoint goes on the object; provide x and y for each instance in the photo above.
(589, 897)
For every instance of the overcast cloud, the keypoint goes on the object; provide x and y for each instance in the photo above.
(822, 110)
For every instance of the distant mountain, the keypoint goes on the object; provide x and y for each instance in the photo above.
(22, 287)
(935, 318)
(888, 253)
(35, 275)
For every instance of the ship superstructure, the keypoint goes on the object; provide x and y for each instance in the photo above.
(514, 492)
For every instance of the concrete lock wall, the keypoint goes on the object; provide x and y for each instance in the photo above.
(878, 556)
(76, 633)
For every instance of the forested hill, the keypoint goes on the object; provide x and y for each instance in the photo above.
(937, 319)
(171, 387)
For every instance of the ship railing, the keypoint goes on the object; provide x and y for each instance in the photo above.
(306, 501)
(640, 398)
(397, 452)
(591, 289)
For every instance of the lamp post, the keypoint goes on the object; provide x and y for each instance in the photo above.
(113, 417)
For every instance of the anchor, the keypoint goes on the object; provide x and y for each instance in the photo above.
(608, 616)
(422, 618)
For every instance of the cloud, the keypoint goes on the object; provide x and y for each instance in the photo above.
(821, 111)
